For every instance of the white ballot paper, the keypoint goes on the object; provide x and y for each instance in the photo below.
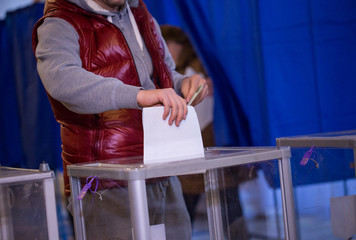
(165, 143)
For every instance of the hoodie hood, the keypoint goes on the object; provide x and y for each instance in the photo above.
(88, 6)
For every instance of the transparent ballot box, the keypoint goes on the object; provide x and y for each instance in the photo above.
(136, 190)
(27, 204)
(323, 177)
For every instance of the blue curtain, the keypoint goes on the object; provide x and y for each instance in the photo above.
(29, 133)
(227, 37)
(309, 50)
(279, 69)
(219, 32)
(10, 143)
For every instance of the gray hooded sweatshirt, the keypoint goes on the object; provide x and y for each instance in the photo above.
(60, 67)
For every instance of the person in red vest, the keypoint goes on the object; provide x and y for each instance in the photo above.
(101, 62)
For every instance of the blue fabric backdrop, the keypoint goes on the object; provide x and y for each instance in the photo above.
(29, 133)
(309, 54)
(279, 69)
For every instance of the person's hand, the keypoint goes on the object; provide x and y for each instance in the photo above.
(167, 97)
(190, 85)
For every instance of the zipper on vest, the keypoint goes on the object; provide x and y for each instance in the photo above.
(97, 136)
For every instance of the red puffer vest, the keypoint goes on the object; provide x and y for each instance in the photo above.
(104, 51)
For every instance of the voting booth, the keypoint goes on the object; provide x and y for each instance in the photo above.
(138, 177)
(323, 176)
(27, 204)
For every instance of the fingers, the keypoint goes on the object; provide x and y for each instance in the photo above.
(193, 84)
(203, 93)
(190, 85)
(177, 108)
(178, 111)
(174, 105)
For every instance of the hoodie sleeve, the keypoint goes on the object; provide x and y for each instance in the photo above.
(60, 69)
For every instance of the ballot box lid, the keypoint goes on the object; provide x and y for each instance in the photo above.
(132, 168)
(14, 175)
(339, 139)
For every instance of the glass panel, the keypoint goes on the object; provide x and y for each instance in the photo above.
(250, 207)
(261, 197)
(218, 200)
(107, 212)
(24, 212)
(324, 188)
(195, 200)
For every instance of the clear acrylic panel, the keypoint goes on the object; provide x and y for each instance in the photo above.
(250, 207)
(324, 192)
(23, 211)
(323, 176)
(107, 212)
(217, 197)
